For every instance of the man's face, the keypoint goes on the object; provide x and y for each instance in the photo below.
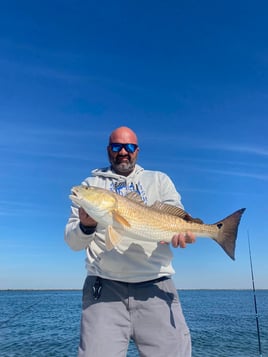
(123, 157)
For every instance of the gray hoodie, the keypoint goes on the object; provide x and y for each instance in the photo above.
(130, 261)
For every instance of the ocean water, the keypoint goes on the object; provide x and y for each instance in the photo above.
(46, 323)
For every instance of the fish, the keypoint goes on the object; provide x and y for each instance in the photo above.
(130, 216)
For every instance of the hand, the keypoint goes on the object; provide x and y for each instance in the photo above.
(181, 240)
(85, 219)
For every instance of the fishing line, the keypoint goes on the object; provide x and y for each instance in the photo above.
(255, 300)
(2, 323)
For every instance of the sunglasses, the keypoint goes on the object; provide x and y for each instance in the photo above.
(116, 147)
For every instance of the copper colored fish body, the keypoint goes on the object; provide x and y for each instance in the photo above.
(159, 222)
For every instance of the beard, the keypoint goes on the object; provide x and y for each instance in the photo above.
(123, 164)
(124, 167)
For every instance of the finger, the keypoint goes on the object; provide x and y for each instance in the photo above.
(81, 209)
(189, 237)
(82, 213)
(182, 240)
(179, 241)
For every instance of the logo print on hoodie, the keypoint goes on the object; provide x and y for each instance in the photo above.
(122, 188)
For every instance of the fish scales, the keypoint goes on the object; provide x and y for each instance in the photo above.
(155, 225)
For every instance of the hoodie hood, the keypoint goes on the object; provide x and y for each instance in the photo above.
(107, 172)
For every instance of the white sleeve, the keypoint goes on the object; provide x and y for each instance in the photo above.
(169, 194)
(73, 235)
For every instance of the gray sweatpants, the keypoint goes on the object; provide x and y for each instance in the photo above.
(149, 313)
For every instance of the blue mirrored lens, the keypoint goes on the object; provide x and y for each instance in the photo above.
(116, 147)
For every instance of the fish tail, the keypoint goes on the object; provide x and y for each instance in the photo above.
(227, 233)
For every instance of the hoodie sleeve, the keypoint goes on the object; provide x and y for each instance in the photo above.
(169, 194)
(73, 235)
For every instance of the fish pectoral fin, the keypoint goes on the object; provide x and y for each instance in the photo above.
(121, 220)
(112, 238)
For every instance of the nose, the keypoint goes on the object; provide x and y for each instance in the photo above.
(123, 151)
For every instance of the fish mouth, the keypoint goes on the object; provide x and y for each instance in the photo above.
(74, 196)
(74, 192)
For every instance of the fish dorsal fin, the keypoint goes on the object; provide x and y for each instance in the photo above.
(165, 208)
(134, 196)
(175, 211)
(169, 209)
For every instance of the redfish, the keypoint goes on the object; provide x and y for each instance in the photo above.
(131, 217)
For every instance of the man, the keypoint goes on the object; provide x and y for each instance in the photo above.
(128, 292)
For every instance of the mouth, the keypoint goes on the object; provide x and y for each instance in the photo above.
(74, 193)
(123, 159)
(74, 197)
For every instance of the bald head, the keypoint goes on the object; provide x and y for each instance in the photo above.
(123, 135)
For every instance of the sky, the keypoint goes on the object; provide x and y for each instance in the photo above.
(189, 77)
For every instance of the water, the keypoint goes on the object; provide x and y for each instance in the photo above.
(46, 323)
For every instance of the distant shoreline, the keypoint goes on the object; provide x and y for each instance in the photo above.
(199, 289)
(40, 289)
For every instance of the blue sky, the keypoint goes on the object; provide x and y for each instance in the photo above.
(190, 77)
